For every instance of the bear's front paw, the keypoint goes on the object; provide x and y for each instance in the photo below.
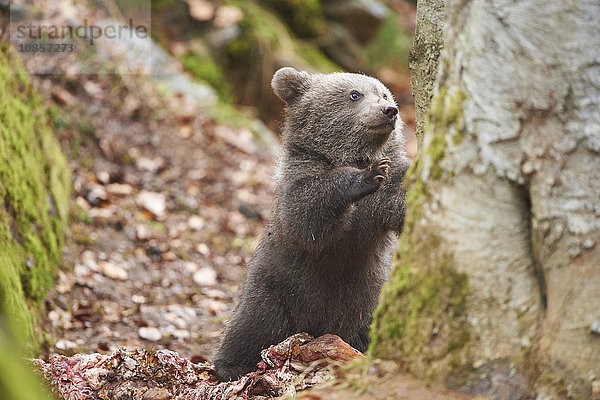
(379, 170)
(370, 179)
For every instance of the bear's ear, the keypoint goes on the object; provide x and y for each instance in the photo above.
(289, 84)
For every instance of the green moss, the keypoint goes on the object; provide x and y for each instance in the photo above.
(158, 5)
(264, 34)
(226, 114)
(437, 150)
(206, 70)
(305, 17)
(316, 58)
(34, 194)
(554, 381)
(421, 318)
(445, 113)
(17, 382)
(443, 127)
(447, 110)
(14, 306)
(457, 138)
(391, 45)
(255, 33)
(452, 116)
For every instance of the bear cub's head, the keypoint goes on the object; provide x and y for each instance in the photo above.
(344, 117)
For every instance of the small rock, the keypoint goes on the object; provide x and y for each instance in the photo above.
(63, 97)
(119, 189)
(65, 284)
(93, 89)
(595, 328)
(64, 344)
(185, 132)
(183, 311)
(102, 213)
(150, 164)
(112, 271)
(81, 270)
(60, 318)
(103, 177)
(96, 196)
(191, 267)
(205, 276)
(169, 256)
(167, 330)
(149, 333)
(81, 202)
(142, 233)
(181, 334)
(175, 320)
(138, 299)
(215, 307)
(88, 258)
(196, 223)
(203, 249)
(154, 202)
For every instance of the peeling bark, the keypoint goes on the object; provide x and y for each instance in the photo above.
(509, 183)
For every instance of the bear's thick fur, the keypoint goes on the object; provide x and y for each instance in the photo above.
(339, 206)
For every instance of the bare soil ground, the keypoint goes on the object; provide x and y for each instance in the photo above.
(167, 207)
(382, 381)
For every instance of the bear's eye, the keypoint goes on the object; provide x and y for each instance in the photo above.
(385, 96)
(354, 95)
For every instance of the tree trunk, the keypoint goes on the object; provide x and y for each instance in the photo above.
(424, 57)
(496, 288)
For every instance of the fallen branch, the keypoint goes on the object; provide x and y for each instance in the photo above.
(296, 363)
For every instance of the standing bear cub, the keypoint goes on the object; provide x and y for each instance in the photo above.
(339, 205)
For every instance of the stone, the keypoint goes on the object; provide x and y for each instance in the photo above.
(119, 189)
(112, 270)
(205, 276)
(150, 333)
(150, 164)
(196, 223)
(153, 202)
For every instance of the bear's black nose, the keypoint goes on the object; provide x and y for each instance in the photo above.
(390, 111)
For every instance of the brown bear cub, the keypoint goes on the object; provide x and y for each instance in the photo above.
(338, 208)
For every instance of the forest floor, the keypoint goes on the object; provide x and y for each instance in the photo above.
(167, 208)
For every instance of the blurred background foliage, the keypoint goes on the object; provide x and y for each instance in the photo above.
(235, 46)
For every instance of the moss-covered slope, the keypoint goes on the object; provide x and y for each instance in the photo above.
(34, 192)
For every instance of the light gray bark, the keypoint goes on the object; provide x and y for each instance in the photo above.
(517, 202)
(424, 57)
